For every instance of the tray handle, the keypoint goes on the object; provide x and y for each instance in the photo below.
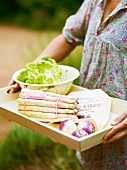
(7, 88)
(7, 96)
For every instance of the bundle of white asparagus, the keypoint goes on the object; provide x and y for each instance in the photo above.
(46, 105)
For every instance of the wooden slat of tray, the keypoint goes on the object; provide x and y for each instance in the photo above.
(42, 128)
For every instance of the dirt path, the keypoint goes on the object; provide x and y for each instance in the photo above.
(16, 47)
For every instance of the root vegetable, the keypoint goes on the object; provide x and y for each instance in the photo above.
(79, 133)
(68, 126)
(87, 126)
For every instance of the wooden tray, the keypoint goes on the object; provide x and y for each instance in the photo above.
(9, 110)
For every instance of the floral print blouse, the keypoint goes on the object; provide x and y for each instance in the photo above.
(104, 66)
(104, 58)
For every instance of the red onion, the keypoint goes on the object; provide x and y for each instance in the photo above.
(87, 126)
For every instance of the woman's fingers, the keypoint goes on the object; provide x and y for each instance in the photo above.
(119, 118)
(15, 89)
(119, 129)
(118, 136)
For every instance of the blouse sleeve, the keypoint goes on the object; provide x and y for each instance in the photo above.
(76, 25)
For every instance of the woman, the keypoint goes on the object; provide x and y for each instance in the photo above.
(101, 27)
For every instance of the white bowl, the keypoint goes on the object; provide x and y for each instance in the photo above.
(68, 76)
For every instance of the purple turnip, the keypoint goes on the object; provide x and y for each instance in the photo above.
(68, 126)
(87, 126)
(79, 133)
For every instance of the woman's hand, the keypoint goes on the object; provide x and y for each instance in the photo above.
(119, 129)
(15, 89)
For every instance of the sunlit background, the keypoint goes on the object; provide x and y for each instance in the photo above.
(26, 27)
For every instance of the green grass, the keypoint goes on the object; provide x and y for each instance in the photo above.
(28, 150)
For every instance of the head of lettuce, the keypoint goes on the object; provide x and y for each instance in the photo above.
(45, 71)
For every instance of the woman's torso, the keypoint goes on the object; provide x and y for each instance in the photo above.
(104, 61)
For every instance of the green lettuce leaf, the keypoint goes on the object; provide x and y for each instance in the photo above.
(45, 71)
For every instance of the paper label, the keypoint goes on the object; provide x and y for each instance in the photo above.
(95, 103)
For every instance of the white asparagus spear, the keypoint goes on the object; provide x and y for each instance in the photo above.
(45, 115)
(48, 98)
(40, 92)
(47, 109)
(29, 102)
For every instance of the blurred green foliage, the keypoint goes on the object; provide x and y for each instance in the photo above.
(24, 149)
(39, 14)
